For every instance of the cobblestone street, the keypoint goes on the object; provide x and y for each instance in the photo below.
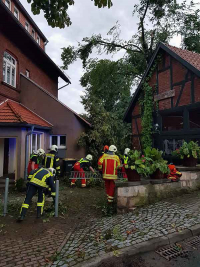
(110, 234)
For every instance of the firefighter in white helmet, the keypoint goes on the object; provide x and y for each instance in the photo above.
(36, 159)
(109, 164)
(124, 162)
(52, 160)
(79, 168)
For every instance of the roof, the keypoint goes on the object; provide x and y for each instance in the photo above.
(16, 113)
(187, 58)
(31, 20)
(56, 99)
(13, 25)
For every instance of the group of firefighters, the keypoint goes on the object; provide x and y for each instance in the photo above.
(43, 168)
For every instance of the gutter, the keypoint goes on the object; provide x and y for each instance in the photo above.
(26, 152)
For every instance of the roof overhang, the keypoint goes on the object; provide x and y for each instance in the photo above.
(160, 47)
(8, 124)
(16, 33)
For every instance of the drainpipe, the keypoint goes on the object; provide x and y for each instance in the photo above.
(26, 152)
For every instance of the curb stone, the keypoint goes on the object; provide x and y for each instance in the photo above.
(146, 246)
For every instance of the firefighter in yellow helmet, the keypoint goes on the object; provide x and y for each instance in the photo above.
(51, 160)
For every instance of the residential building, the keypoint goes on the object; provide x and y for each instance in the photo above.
(175, 82)
(29, 94)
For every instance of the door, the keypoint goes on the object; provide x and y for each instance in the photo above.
(6, 156)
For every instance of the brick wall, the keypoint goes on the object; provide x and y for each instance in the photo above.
(23, 64)
(23, 19)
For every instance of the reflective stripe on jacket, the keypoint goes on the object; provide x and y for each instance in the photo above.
(109, 166)
(125, 159)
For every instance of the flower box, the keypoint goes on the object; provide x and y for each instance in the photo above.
(189, 162)
(133, 175)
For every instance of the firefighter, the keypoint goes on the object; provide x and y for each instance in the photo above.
(84, 164)
(124, 161)
(174, 174)
(38, 181)
(51, 160)
(36, 159)
(105, 150)
(109, 164)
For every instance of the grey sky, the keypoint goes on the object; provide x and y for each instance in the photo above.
(86, 20)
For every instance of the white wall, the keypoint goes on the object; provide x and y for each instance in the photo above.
(12, 155)
(1, 156)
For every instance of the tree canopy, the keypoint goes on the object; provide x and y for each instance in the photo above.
(158, 21)
(55, 11)
(107, 94)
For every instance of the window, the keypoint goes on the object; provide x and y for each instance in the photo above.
(38, 40)
(172, 122)
(26, 26)
(194, 117)
(33, 34)
(27, 73)
(8, 4)
(58, 140)
(35, 141)
(16, 13)
(9, 69)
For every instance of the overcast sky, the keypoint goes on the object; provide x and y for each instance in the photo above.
(86, 20)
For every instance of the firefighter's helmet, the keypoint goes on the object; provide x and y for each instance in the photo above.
(126, 151)
(89, 157)
(40, 152)
(54, 148)
(112, 148)
(52, 170)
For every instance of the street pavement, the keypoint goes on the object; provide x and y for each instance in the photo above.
(97, 237)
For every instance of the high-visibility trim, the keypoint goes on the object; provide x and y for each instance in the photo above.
(58, 168)
(110, 200)
(110, 176)
(40, 204)
(99, 167)
(26, 206)
(72, 183)
(110, 197)
(53, 194)
(57, 159)
(51, 156)
(38, 182)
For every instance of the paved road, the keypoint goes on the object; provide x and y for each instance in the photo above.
(96, 237)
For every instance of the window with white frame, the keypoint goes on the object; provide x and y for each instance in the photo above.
(33, 33)
(27, 26)
(58, 140)
(27, 73)
(16, 13)
(38, 40)
(8, 4)
(35, 141)
(9, 69)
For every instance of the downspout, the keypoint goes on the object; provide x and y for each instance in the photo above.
(26, 152)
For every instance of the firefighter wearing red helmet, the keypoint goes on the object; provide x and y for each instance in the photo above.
(174, 174)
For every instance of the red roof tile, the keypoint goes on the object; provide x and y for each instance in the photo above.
(13, 112)
(190, 57)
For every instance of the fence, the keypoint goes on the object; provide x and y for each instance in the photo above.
(88, 175)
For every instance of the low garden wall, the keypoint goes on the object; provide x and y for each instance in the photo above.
(133, 194)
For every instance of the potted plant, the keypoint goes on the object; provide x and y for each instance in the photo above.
(137, 166)
(158, 166)
(189, 153)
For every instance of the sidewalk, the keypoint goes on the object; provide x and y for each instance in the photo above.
(95, 238)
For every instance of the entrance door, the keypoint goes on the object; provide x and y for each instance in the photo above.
(6, 156)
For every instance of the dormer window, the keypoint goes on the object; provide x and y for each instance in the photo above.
(16, 13)
(38, 40)
(27, 26)
(8, 4)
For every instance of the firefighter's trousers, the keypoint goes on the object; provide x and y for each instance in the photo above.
(79, 173)
(32, 190)
(110, 190)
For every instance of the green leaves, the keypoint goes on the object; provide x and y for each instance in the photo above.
(190, 149)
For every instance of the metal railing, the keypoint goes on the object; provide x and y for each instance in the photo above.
(90, 175)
